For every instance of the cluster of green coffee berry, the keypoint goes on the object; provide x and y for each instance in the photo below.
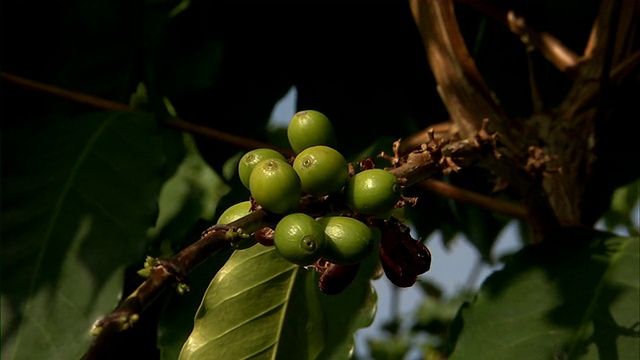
(318, 170)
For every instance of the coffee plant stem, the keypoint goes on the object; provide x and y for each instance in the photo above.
(74, 96)
(437, 131)
(166, 273)
(108, 105)
(413, 167)
(433, 157)
(231, 139)
(487, 202)
(460, 85)
(173, 271)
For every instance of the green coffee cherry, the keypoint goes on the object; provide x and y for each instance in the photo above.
(275, 186)
(349, 240)
(372, 191)
(235, 212)
(310, 128)
(322, 170)
(299, 239)
(249, 160)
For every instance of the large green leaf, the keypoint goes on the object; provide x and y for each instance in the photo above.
(176, 321)
(575, 296)
(78, 197)
(262, 306)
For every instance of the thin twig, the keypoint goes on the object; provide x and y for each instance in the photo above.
(231, 139)
(74, 96)
(563, 58)
(108, 105)
(486, 202)
(578, 115)
(598, 71)
(445, 130)
(590, 91)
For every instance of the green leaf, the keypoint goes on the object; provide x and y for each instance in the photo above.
(244, 308)
(192, 193)
(176, 321)
(78, 197)
(262, 306)
(574, 296)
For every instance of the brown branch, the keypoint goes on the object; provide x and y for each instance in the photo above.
(582, 113)
(563, 58)
(480, 200)
(461, 87)
(108, 105)
(445, 130)
(595, 73)
(412, 168)
(466, 97)
(231, 139)
(625, 68)
(443, 156)
(74, 96)
(602, 29)
(582, 97)
(165, 274)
